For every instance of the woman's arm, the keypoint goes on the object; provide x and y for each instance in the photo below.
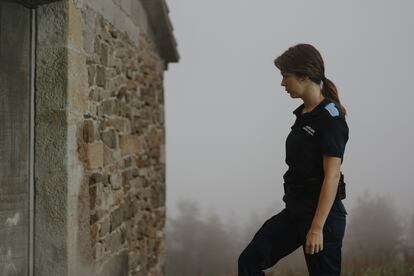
(331, 167)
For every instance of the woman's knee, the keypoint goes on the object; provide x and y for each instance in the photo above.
(245, 258)
(257, 255)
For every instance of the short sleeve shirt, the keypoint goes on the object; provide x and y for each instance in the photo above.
(322, 131)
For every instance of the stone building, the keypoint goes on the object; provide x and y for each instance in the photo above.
(82, 140)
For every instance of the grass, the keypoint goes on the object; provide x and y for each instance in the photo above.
(392, 269)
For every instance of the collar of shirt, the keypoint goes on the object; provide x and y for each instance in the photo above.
(314, 111)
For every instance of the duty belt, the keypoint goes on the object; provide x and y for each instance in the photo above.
(311, 187)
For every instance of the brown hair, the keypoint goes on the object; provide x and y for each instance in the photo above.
(305, 60)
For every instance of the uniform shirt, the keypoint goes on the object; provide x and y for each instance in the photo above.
(323, 131)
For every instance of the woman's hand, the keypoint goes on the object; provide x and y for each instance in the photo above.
(314, 241)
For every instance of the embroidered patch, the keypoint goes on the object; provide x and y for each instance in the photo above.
(332, 109)
(309, 130)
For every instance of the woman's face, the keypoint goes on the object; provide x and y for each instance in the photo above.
(293, 85)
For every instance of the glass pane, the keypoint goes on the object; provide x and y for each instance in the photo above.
(14, 138)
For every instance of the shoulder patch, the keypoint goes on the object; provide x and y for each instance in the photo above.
(332, 109)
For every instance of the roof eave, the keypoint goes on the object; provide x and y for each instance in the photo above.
(162, 28)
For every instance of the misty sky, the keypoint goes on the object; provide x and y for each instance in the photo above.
(227, 116)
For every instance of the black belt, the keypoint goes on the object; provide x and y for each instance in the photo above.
(310, 187)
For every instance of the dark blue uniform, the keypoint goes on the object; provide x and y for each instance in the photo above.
(323, 131)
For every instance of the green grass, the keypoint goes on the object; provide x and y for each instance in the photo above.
(394, 269)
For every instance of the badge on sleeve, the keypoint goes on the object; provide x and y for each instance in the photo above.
(332, 109)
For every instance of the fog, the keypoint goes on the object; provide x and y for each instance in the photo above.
(207, 245)
(227, 116)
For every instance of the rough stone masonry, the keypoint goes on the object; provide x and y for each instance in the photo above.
(100, 66)
(123, 134)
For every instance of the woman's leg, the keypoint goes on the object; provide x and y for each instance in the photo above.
(328, 261)
(276, 238)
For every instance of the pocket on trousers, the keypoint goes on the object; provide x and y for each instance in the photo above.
(335, 228)
(338, 209)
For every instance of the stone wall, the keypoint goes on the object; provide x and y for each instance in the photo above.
(99, 140)
(123, 137)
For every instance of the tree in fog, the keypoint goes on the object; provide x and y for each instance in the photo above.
(218, 247)
(182, 240)
(198, 246)
(373, 230)
(408, 248)
(411, 232)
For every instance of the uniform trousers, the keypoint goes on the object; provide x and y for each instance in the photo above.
(286, 231)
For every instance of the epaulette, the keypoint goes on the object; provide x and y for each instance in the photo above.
(332, 109)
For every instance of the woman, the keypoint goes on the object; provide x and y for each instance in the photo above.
(314, 216)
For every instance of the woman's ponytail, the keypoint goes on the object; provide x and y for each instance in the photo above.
(329, 91)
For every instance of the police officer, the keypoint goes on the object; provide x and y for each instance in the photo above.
(314, 216)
